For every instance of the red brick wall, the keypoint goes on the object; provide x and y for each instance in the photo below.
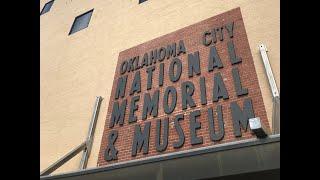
(192, 37)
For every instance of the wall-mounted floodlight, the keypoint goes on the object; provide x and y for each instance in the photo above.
(257, 127)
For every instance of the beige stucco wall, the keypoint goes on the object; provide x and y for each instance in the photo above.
(76, 68)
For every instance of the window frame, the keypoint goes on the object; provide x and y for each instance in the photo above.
(142, 1)
(52, 1)
(72, 26)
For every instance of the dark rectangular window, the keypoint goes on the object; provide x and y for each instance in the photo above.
(81, 22)
(46, 7)
(141, 1)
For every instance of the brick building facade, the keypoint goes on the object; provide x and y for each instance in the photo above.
(190, 39)
(191, 70)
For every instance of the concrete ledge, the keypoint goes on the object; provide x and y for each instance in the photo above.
(246, 156)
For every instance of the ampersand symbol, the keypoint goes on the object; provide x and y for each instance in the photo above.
(111, 152)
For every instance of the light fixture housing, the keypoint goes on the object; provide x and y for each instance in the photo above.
(258, 128)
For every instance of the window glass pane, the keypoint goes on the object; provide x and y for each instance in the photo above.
(141, 1)
(81, 22)
(46, 7)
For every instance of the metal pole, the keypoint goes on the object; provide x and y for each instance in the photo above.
(276, 115)
(86, 152)
(274, 90)
(63, 160)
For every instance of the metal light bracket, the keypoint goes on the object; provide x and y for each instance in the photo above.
(273, 88)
